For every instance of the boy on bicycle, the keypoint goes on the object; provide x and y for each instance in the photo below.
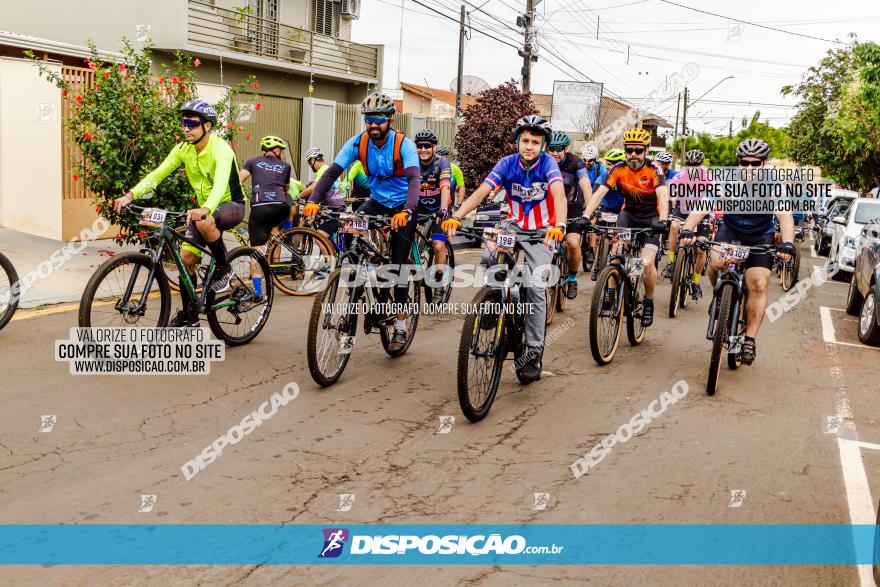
(536, 195)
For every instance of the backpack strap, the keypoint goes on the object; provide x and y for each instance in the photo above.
(398, 159)
(363, 143)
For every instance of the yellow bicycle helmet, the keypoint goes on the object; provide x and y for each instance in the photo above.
(614, 155)
(637, 136)
(270, 142)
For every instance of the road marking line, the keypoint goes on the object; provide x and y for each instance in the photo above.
(61, 308)
(828, 329)
(869, 445)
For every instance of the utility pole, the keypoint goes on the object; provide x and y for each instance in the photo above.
(684, 117)
(675, 133)
(730, 132)
(460, 67)
(525, 22)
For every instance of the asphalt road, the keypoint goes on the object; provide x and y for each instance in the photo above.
(375, 435)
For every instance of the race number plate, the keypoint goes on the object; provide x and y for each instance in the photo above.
(505, 241)
(624, 235)
(154, 217)
(355, 225)
(739, 253)
(608, 217)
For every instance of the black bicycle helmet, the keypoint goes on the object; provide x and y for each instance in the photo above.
(377, 103)
(443, 151)
(753, 148)
(537, 124)
(426, 136)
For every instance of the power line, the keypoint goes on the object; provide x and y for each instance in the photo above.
(770, 28)
(423, 5)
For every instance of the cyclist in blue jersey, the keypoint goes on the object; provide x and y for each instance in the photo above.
(664, 159)
(749, 230)
(576, 179)
(595, 169)
(613, 200)
(536, 195)
(435, 191)
(391, 164)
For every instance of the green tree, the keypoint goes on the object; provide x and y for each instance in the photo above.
(128, 121)
(486, 134)
(722, 150)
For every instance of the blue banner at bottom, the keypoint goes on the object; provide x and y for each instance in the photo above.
(564, 544)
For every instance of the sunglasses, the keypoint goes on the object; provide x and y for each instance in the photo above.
(590, 161)
(744, 163)
(376, 119)
(190, 123)
(424, 146)
(556, 149)
(636, 150)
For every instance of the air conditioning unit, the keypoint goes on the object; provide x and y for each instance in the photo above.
(351, 9)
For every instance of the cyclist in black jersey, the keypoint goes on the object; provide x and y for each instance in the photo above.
(748, 230)
(270, 180)
(575, 177)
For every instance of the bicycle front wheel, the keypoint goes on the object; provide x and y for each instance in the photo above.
(635, 331)
(481, 353)
(441, 293)
(790, 271)
(238, 315)
(679, 284)
(719, 339)
(10, 290)
(114, 296)
(301, 260)
(332, 326)
(606, 310)
(561, 262)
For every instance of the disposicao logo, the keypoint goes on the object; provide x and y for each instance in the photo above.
(334, 541)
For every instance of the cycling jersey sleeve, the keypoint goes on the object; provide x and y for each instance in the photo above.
(224, 163)
(409, 154)
(498, 175)
(414, 187)
(355, 170)
(348, 154)
(445, 172)
(328, 176)
(457, 175)
(172, 162)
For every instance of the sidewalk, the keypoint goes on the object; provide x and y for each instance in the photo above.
(65, 284)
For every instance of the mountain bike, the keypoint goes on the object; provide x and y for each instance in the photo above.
(727, 313)
(10, 290)
(354, 289)
(439, 289)
(495, 324)
(557, 294)
(619, 292)
(683, 271)
(124, 290)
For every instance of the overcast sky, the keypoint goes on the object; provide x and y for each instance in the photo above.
(661, 39)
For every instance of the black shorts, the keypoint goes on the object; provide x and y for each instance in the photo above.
(226, 216)
(728, 235)
(702, 227)
(575, 209)
(263, 219)
(627, 219)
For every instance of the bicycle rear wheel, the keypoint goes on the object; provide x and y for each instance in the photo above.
(719, 338)
(104, 301)
(332, 325)
(606, 309)
(601, 257)
(10, 290)
(561, 262)
(733, 361)
(414, 301)
(481, 352)
(301, 260)
(791, 270)
(246, 314)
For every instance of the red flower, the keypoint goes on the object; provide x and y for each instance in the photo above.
(230, 125)
(106, 75)
(256, 85)
(161, 80)
(173, 80)
(247, 137)
(75, 177)
(88, 136)
(98, 208)
(79, 99)
(98, 86)
(193, 198)
(90, 64)
(176, 137)
(258, 106)
(142, 234)
(121, 67)
(63, 92)
(197, 62)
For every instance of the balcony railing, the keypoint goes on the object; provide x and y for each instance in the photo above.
(231, 30)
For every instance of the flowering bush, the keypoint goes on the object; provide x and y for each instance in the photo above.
(486, 134)
(128, 121)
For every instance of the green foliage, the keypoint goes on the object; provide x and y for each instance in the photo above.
(487, 131)
(721, 151)
(837, 126)
(126, 124)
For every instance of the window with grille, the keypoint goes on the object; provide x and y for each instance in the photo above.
(325, 15)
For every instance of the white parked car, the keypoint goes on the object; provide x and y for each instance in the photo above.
(833, 195)
(845, 229)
